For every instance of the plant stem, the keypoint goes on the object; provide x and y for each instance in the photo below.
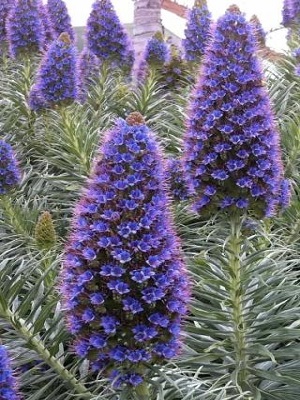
(237, 299)
(37, 345)
(142, 391)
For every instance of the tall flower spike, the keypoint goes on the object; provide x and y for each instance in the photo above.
(107, 38)
(175, 73)
(287, 13)
(59, 18)
(232, 154)
(56, 82)
(44, 233)
(24, 28)
(8, 384)
(259, 31)
(9, 171)
(174, 174)
(5, 6)
(197, 32)
(48, 31)
(124, 283)
(88, 69)
(156, 54)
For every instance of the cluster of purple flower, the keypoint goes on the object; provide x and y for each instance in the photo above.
(296, 54)
(232, 151)
(155, 55)
(174, 174)
(47, 26)
(175, 74)
(124, 282)
(25, 32)
(9, 172)
(291, 13)
(5, 6)
(8, 384)
(197, 32)
(56, 82)
(107, 38)
(59, 17)
(259, 31)
(88, 69)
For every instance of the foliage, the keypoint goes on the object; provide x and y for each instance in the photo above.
(241, 337)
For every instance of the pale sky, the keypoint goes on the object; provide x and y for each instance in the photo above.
(268, 11)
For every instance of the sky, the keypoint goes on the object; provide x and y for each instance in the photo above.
(268, 11)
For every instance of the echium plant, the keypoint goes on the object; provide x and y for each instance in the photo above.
(5, 6)
(8, 383)
(10, 175)
(56, 82)
(259, 31)
(174, 174)
(287, 13)
(175, 74)
(232, 150)
(59, 18)
(155, 55)
(25, 31)
(47, 26)
(107, 38)
(296, 54)
(88, 69)
(197, 31)
(156, 51)
(124, 283)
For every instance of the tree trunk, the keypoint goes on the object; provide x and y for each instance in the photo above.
(147, 21)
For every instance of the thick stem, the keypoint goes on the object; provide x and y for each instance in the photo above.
(237, 302)
(20, 326)
(143, 392)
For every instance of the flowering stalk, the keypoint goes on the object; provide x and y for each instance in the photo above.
(24, 28)
(124, 283)
(47, 26)
(232, 156)
(10, 175)
(107, 38)
(44, 232)
(59, 18)
(236, 288)
(174, 174)
(88, 69)
(156, 54)
(197, 32)
(287, 13)
(56, 82)
(5, 6)
(8, 384)
(259, 31)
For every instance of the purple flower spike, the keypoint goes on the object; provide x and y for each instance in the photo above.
(8, 384)
(232, 142)
(47, 26)
(9, 171)
(124, 281)
(5, 7)
(88, 69)
(24, 28)
(107, 38)
(287, 13)
(259, 31)
(174, 173)
(59, 18)
(156, 54)
(197, 32)
(56, 82)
